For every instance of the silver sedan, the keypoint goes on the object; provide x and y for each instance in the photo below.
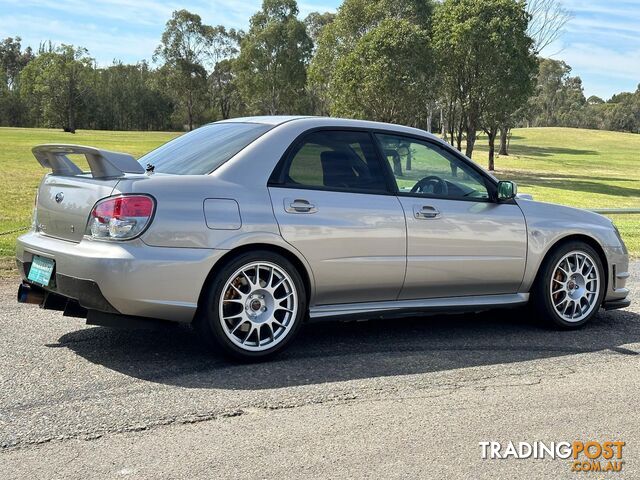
(247, 228)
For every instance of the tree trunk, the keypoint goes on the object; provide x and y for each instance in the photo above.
(492, 133)
(504, 133)
(71, 127)
(471, 140)
(460, 130)
(452, 130)
(429, 118)
(443, 125)
(71, 118)
(408, 166)
(397, 166)
(225, 107)
(190, 110)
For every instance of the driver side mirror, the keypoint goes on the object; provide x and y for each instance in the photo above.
(507, 190)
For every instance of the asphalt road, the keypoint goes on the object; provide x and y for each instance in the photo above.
(382, 399)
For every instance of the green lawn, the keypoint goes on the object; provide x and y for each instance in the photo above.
(583, 168)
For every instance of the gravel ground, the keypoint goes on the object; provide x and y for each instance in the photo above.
(397, 398)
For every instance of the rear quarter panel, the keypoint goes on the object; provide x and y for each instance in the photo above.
(180, 221)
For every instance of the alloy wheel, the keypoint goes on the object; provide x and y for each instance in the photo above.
(258, 306)
(574, 286)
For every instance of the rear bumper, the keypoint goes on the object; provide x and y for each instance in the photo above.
(86, 292)
(130, 278)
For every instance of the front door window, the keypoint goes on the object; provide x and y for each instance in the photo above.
(425, 169)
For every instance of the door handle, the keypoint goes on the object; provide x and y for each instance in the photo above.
(299, 205)
(425, 211)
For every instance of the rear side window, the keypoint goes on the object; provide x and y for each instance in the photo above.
(203, 150)
(335, 160)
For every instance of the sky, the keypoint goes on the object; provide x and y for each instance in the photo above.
(601, 42)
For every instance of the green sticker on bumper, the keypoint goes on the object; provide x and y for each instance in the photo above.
(41, 270)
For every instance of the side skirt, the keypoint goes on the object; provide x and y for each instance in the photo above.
(405, 308)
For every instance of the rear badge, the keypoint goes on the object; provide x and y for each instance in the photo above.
(59, 197)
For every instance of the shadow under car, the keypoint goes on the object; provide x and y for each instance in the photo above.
(333, 351)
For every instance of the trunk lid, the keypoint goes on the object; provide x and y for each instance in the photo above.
(64, 204)
(67, 196)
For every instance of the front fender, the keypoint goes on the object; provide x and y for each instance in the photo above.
(548, 224)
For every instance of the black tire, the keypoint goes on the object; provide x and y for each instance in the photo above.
(207, 322)
(542, 299)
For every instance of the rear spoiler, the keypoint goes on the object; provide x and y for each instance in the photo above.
(102, 163)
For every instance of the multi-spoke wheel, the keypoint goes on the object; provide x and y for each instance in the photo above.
(570, 285)
(574, 286)
(258, 306)
(254, 306)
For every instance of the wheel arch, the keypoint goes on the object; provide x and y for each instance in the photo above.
(580, 237)
(299, 265)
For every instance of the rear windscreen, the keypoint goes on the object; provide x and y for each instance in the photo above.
(203, 150)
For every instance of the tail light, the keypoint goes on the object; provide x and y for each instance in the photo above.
(120, 218)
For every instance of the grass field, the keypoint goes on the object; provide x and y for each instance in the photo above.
(582, 168)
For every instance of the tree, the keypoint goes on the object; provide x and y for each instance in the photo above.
(624, 112)
(222, 43)
(315, 23)
(224, 92)
(559, 101)
(12, 60)
(271, 67)
(185, 47)
(517, 66)
(127, 97)
(547, 19)
(354, 28)
(574, 102)
(595, 100)
(55, 82)
(474, 42)
(509, 90)
(387, 75)
(558, 96)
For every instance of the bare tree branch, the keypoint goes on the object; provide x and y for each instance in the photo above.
(548, 19)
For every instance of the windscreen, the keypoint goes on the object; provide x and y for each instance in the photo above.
(203, 150)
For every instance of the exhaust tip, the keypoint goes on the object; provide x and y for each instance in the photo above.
(27, 294)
